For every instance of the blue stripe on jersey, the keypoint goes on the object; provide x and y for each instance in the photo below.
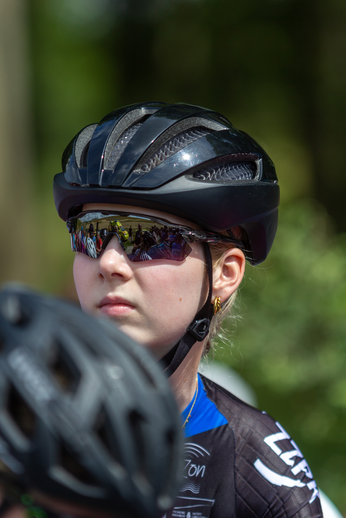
(205, 416)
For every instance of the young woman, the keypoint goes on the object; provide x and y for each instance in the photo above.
(185, 175)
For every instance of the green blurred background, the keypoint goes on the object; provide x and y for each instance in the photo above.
(276, 69)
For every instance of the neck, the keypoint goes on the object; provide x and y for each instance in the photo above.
(183, 380)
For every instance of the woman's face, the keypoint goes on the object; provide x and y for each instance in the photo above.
(154, 301)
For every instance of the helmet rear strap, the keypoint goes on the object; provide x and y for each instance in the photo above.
(197, 330)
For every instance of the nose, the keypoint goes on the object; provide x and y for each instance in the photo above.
(113, 262)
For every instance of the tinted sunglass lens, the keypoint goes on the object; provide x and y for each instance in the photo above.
(141, 238)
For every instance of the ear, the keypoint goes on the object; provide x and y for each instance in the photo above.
(228, 274)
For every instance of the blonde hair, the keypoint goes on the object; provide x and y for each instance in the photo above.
(217, 251)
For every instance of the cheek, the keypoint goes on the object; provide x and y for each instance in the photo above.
(172, 295)
(82, 278)
(177, 290)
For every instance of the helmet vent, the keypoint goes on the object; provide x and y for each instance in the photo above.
(136, 425)
(171, 439)
(82, 144)
(20, 412)
(64, 369)
(172, 146)
(112, 156)
(228, 172)
(84, 156)
(70, 464)
(103, 430)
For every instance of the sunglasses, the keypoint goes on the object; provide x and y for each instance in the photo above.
(143, 238)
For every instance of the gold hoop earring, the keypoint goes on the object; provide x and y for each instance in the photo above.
(217, 305)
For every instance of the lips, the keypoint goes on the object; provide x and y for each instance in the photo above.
(115, 306)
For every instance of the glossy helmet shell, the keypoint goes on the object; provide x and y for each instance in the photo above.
(180, 159)
(86, 416)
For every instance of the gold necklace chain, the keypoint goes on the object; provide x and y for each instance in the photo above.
(193, 404)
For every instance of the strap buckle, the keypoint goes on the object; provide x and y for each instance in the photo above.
(199, 329)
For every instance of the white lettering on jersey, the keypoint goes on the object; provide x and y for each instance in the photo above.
(275, 437)
(192, 467)
(275, 478)
(288, 458)
(313, 487)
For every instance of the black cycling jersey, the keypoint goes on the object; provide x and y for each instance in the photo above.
(239, 462)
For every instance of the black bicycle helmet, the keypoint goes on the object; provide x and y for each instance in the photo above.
(180, 159)
(86, 415)
(183, 160)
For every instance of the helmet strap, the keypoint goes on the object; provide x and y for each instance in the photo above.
(197, 330)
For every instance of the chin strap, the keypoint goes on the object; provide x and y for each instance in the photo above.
(197, 330)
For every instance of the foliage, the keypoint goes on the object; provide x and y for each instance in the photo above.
(291, 339)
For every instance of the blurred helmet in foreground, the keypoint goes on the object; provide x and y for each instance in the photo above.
(86, 415)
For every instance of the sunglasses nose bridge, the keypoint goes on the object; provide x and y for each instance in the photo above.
(109, 238)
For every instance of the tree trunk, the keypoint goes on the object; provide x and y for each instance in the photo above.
(17, 229)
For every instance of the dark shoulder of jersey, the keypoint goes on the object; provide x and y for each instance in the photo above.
(239, 462)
